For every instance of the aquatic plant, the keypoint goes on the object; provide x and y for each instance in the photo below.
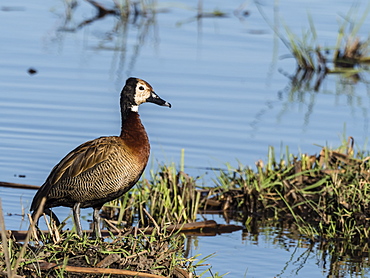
(349, 56)
(325, 195)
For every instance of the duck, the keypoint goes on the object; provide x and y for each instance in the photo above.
(103, 169)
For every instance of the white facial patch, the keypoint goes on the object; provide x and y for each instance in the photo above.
(142, 92)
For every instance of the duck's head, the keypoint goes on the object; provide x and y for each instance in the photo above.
(137, 91)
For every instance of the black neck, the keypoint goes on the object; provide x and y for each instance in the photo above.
(125, 107)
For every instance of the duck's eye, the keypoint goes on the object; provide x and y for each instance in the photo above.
(141, 88)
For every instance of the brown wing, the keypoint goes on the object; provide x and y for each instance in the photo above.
(77, 161)
(83, 158)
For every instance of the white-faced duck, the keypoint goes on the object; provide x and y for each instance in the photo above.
(103, 169)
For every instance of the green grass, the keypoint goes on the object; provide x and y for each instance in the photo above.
(347, 56)
(325, 195)
(157, 253)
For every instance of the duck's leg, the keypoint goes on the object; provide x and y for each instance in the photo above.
(77, 219)
(96, 223)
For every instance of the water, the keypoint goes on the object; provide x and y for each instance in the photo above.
(277, 252)
(222, 76)
(271, 253)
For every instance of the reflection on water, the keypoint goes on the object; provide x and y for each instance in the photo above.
(212, 61)
(278, 250)
(124, 18)
(303, 89)
(334, 258)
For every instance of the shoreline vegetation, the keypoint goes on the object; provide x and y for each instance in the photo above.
(322, 198)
